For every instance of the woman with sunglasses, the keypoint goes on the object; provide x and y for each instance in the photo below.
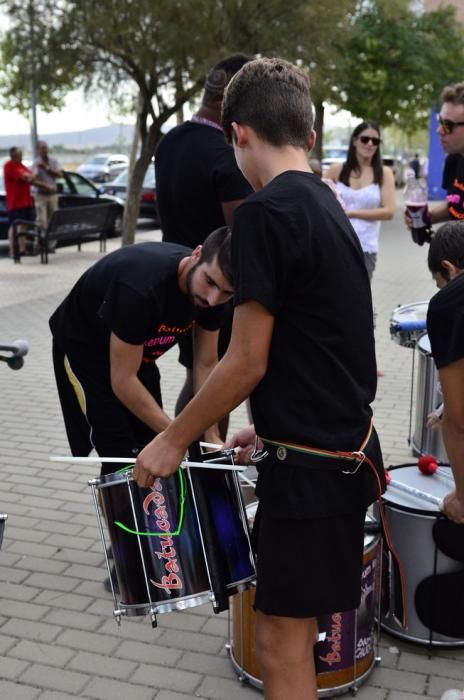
(366, 187)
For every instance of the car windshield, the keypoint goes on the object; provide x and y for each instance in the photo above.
(148, 180)
(97, 160)
(121, 179)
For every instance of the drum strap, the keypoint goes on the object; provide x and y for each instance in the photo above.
(293, 452)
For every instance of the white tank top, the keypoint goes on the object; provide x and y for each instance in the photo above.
(364, 198)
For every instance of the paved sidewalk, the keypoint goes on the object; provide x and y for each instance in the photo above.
(58, 639)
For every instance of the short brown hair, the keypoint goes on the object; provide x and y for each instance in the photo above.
(272, 96)
(447, 244)
(454, 94)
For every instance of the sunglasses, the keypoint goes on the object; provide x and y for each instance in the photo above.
(374, 139)
(447, 125)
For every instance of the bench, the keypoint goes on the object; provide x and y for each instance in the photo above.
(76, 224)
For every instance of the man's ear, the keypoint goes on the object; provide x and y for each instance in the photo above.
(197, 252)
(450, 270)
(240, 133)
(312, 138)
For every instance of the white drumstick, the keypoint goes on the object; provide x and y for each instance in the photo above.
(131, 460)
(421, 495)
(247, 481)
(448, 475)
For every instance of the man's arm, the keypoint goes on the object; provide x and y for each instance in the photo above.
(240, 370)
(205, 359)
(439, 213)
(54, 169)
(452, 383)
(125, 361)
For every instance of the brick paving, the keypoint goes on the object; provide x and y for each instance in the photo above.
(58, 639)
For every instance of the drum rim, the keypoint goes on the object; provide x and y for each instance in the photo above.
(408, 306)
(122, 476)
(427, 353)
(165, 606)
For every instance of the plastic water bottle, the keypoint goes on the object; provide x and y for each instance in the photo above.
(453, 694)
(415, 196)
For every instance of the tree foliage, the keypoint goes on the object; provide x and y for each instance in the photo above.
(35, 47)
(163, 49)
(373, 57)
(396, 64)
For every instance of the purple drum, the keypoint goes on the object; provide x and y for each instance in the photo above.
(172, 543)
(345, 654)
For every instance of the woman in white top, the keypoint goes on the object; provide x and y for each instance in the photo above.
(366, 187)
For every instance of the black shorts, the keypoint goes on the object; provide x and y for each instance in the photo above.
(26, 213)
(94, 418)
(308, 568)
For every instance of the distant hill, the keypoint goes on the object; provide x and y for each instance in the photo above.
(115, 134)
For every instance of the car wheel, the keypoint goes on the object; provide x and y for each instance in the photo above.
(116, 226)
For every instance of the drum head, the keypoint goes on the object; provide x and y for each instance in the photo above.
(408, 323)
(411, 476)
(410, 312)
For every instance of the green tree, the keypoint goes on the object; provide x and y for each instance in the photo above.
(396, 64)
(158, 52)
(37, 63)
(165, 48)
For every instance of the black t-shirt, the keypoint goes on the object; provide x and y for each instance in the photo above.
(445, 323)
(295, 252)
(134, 293)
(195, 172)
(453, 183)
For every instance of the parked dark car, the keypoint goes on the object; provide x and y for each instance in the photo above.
(74, 190)
(148, 204)
(103, 167)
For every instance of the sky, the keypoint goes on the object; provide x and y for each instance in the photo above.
(78, 114)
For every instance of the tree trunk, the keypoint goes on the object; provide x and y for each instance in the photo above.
(136, 136)
(318, 128)
(131, 209)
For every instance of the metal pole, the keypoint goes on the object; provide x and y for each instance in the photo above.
(33, 88)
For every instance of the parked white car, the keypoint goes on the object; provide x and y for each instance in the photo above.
(103, 167)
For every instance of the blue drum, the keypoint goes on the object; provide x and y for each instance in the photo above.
(178, 544)
(408, 323)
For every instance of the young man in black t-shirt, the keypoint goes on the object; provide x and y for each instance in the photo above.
(123, 314)
(451, 132)
(303, 346)
(198, 184)
(445, 327)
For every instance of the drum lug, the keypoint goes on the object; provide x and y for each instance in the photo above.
(154, 621)
(117, 616)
